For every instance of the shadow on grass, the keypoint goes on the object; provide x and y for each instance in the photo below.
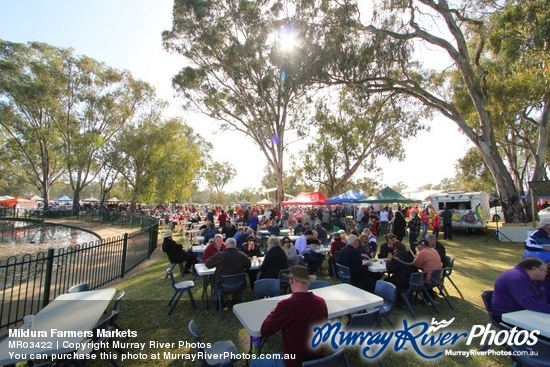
(477, 264)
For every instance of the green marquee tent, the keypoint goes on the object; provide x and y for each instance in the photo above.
(386, 196)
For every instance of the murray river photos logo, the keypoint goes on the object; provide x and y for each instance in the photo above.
(429, 341)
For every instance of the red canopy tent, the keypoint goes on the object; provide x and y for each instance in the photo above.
(306, 198)
(19, 203)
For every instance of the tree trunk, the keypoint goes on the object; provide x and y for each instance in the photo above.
(512, 207)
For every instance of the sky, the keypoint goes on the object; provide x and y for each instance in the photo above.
(126, 34)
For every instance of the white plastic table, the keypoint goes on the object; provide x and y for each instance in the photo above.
(341, 299)
(529, 320)
(70, 312)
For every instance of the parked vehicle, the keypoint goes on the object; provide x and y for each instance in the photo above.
(470, 209)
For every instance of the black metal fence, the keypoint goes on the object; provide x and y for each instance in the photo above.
(28, 282)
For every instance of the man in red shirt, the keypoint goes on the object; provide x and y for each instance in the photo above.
(295, 317)
(214, 247)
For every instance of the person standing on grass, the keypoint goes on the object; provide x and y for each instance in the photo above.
(414, 230)
(436, 224)
(295, 317)
(399, 227)
(447, 218)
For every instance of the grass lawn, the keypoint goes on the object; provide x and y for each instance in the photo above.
(477, 264)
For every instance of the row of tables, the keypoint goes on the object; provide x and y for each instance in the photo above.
(73, 312)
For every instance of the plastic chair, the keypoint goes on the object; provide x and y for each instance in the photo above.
(82, 287)
(365, 320)
(333, 265)
(284, 282)
(529, 355)
(213, 355)
(487, 297)
(318, 284)
(116, 311)
(234, 283)
(417, 282)
(438, 282)
(173, 265)
(388, 292)
(101, 340)
(179, 288)
(337, 359)
(344, 274)
(265, 288)
(450, 262)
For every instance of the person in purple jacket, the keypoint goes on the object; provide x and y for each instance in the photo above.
(521, 288)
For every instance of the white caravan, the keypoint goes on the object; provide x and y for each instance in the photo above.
(470, 209)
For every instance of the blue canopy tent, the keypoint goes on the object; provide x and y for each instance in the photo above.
(350, 196)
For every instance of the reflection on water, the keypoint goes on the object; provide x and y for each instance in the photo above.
(28, 238)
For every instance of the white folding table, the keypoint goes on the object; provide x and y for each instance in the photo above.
(70, 312)
(341, 299)
(529, 320)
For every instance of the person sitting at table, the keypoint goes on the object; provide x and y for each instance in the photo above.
(538, 243)
(350, 257)
(437, 246)
(387, 249)
(299, 229)
(274, 229)
(243, 238)
(209, 232)
(275, 259)
(314, 260)
(250, 248)
(521, 288)
(230, 261)
(400, 267)
(254, 221)
(322, 234)
(290, 251)
(217, 245)
(427, 259)
(232, 231)
(366, 246)
(176, 254)
(336, 245)
(295, 317)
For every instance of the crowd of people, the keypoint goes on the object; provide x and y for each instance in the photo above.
(526, 286)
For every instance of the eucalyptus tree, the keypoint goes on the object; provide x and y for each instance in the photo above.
(472, 173)
(32, 86)
(242, 69)
(218, 175)
(98, 101)
(358, 129)
(158, 160)
(377, 54)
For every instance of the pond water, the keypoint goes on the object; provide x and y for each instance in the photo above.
(17, 237)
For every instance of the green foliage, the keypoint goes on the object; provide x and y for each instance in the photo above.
(362, 128)
(218, 175)
(472, 173)
(158, 160)
(32, 87)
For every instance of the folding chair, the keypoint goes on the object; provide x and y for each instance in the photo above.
(234, 283)
(179, 288)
